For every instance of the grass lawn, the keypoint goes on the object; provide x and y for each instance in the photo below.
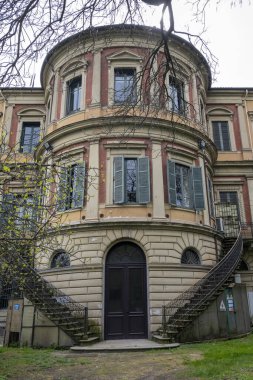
(229, 360)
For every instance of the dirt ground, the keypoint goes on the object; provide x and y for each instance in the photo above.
(148, 365)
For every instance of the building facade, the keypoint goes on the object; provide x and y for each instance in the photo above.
(150, 178)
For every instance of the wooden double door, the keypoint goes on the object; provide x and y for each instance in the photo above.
(125, 293)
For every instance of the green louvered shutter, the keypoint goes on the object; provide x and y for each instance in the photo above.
(78, 185)
(171, 177)
(118, 184)
(199, 203)
(63, 190)
(143, 180)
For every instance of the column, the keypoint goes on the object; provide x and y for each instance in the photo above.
(93, 182)
(206, 220)
(195, 99)
(243, 128)
(55, 96)
(96, 79)
(157, 183)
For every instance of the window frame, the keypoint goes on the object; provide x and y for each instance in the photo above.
(29, 115)
(70, 96)
(122, 60)
(142, 180)
(221, 115)
(68, 72)
(15, 206)
(195, 184)
(131, 91)
(179, 86)
(221, 141)
(55, 255)
(32, 146)
(231, 187)
(71, 181)
(196, 254)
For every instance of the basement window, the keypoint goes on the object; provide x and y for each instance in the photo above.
(60, 260)
(190, 257)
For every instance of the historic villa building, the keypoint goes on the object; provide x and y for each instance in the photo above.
(153, 185)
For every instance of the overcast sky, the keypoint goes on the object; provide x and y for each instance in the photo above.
(230, 36)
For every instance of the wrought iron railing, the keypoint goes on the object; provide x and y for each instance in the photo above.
(7, 292)
(63, 310)
(229, 215)
(188, 305)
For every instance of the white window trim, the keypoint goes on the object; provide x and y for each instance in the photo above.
(229, 119)
(68, 162)
(73, 157)
(183, 78)
(131, 151)
(123, 59)
(29, 116)
(76, 69)
(231, 188)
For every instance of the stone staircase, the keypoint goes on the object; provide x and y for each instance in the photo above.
(184, 309)
(62, 310)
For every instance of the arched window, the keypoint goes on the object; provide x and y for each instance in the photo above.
(60, 259)
(190, 256)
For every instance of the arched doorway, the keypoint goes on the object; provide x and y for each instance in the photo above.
(125, 292)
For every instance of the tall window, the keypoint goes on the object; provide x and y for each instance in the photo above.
(20, 210)
(74, 92)
(185, 186)
(124, 85)
(229, 197)
(25, 210)
(131, 180)
(229, 210)
(176, 95)
(30, 136)
(221, 135)
(71, 187)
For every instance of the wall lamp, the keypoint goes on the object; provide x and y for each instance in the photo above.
(202, 144)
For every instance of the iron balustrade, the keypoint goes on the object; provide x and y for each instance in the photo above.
(60, 308)
(181, 311)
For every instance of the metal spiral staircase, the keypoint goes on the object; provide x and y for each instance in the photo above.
(62, 310)
(179, 313)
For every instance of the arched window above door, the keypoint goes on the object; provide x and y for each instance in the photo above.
(125, 252)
